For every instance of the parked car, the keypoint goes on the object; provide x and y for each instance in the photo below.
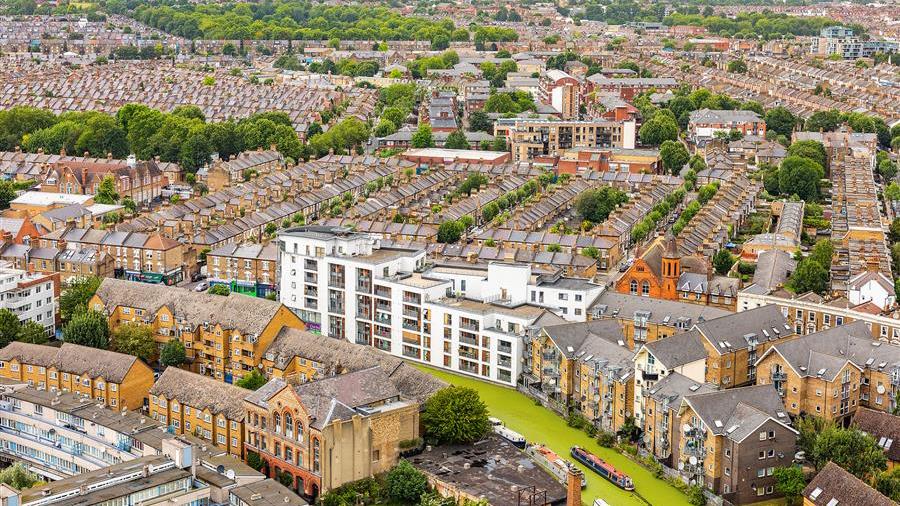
(201, 287)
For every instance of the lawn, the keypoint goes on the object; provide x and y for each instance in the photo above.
(540, 425)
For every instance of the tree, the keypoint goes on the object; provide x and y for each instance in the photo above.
(106, 193)
(172, 353)
(19, 478)
(422, 138)
(384, 128)
(894, 230)
(800, 176)
(674, 155)
(781, 121)
(88, 328)
(252, 380)
(595, 205)
(824, 121)
(9, 327)
(888, 483)
(32, 332)
(220, 290)
(405, 484)
(130, 205)
(491, 211)
(790, 482)
(695, 496)
(75, 297)
(737, 66)
(822, 253)
(857, 452)
(814, 150)
(480, 122)
(450, 231)
(134, 339)
(722, 261)
(456, 140)
(455, 415)
(809, 277)
(658, 129)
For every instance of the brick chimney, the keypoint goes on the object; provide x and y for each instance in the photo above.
(573, 486)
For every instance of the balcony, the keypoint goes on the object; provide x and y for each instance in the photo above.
(471, 341)
(383, 292)
(649, 376)
(336, 308)
(310, 278)
(468, 367)
(504, 362)
(383, 318)
(412, 313)
(412, 299)
(469, 326)
(411, 326)
(336, 281)
(504, 349)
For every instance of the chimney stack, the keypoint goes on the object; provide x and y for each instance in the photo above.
(573, 486)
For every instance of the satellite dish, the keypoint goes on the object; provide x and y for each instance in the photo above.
(693, 460)
(220, 469)
(681, 466)
(229, 474)
(880, 389)
(686, 427)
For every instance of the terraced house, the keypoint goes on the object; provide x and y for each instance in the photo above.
(833, 372)
(117, 380)
(189, 403)
(224, 336)
(247, 269)
(151, 258)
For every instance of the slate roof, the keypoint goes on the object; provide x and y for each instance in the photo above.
(884, 427)
(674, 386)
(591, 337)
(249, 315)
(737, 412)
(666, 312)
(825, 353)
(72, 358)
(736, 330)
(834, 486)
(680, 349)
(201, 392)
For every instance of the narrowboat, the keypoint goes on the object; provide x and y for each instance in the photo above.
(549, 460)
(603, 468)
(508, 434)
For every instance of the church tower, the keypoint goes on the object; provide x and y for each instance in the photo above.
(671, 268)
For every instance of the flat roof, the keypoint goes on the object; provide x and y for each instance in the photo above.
(267, 492)
(468, 154)
(492, 472)
(33, 198)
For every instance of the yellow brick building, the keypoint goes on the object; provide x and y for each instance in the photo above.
(190, 403)
(120, 381)
(224, 336)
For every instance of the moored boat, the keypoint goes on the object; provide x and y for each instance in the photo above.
(603, 468)
(549, 460)
(508, 434)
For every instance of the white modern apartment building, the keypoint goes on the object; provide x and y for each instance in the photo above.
(461, 317)
(30, 296)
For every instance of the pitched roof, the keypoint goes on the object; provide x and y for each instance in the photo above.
(682, 348)
(884, 427)
(834, 486)
(341, 356)
(249, 315)
(674, 386)
(73, 358)
(578, 339)
(736, 412)
(201, 392)
(825, 353)
(736, 331)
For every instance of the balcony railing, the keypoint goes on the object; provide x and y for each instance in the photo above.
(469, 326)
(468, 340)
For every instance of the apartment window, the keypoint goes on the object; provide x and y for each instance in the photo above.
(727, 452)
(727, 471)
(762, 454)
(762, 436)
(770, 454)
(761, 472)
(839, 320)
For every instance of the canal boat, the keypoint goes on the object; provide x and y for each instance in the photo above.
(506, 433)
(549, 460)
(603, 468)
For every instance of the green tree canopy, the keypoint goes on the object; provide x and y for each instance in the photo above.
(134, 339)
(456, 140)
(423, 138)
(455, 415)
(76, 295)
(88, 328)
(674, 156)
(405, 484)
(252, 380)
(800, 176)
(658, 129)
(172, 353)
(814, 150)
(595, 205)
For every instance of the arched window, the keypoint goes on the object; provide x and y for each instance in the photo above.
(299, 431)
(288, 425)
(316, 466)
(645, 288)
(633, 287)
(276, 421)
